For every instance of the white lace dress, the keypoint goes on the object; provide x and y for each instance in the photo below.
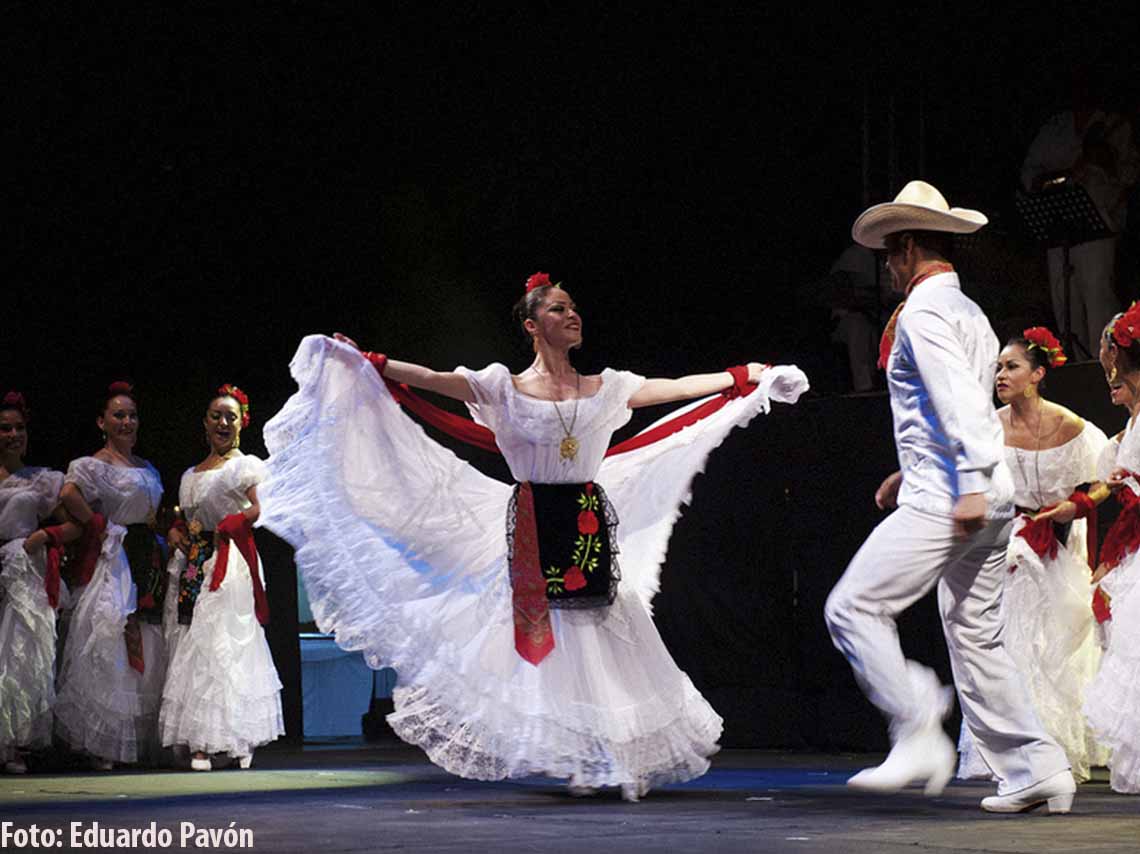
(27, 619)
(105, 707)
(1112, 700)
(403, 553)
(222, 694)
(1049, 624)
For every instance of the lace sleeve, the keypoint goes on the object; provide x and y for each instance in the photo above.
(244, 472)
(489, 387)
(621, 386)
(48, 486)
(83, 473)
(1093, 443)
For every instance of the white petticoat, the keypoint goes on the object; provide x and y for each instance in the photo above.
(1112, 704)
(222, 694)
(1050, 635)
(98, 704)
(27, 652)
(402, 549)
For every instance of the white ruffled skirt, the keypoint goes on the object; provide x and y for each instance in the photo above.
(1112, 700)
(1050, 634)
(101, 699)
(402, 550)
(27, 652)
(222, 694)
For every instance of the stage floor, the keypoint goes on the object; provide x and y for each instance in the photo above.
(389, 797)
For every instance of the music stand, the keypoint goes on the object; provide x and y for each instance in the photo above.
(1063, 215)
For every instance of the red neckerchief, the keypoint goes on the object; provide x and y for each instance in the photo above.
(888, 339)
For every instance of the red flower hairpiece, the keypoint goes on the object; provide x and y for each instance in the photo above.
(1125, 329)
(231, 390)
(539, 280)
(15, 400)
(1043, 339)
(120, 387)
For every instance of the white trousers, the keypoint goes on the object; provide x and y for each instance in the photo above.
(1092, 295)
(901, 560)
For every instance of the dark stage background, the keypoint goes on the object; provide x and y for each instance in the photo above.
(190, 192)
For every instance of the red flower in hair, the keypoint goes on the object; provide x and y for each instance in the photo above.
(120, 387)
(1043, 339)
(14, 400)
(538, 280)
(1125, 329)
(231, 390)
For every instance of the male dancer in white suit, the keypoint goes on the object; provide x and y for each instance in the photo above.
(954, 499)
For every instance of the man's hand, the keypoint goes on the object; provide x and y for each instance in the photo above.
(969, 514)
(887, 495)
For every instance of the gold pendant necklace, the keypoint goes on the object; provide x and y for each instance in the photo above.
(568, 447)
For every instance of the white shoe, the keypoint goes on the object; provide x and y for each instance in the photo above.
(926, 756)
(1056, 792)
(16, 766)
(199, 764)
(634, 792)
(243, 762)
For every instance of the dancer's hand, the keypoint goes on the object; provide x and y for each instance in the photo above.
(1116, 479)
(887, 495)
(176, 538)
(1062, 514)
(969, 514)
(344, 339)
(755, 371)
(1101, 572)
(35, 540)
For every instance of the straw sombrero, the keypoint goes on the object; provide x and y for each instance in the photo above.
(919, 207)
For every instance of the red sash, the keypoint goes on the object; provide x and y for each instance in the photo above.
(237, 529)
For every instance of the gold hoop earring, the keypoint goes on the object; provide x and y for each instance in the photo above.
(1029, 390)
(1112, 375)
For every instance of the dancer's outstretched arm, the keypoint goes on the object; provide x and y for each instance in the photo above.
(658, 391)
(447, 383)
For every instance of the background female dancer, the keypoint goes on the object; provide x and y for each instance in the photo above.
(29, 594)
(222, 694)
(1113, 697)
(114, 657)
(504, 671)
(1049, 626)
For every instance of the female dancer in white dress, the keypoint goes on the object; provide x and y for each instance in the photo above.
(222, 693)
(1113, 697)
(401, 548)
(1049, 624)
(114, 656)
(28, 495)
